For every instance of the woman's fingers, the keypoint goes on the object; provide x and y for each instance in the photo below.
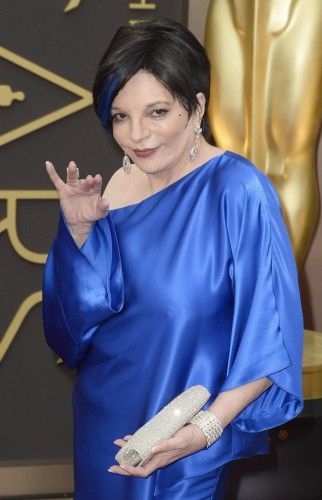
(104, 206)
(72, 174)
(155, 462)
(116, 469)
(170, 454)
(121, 442)
(96, 182)
(152, 465)
(90, 187)
(167, 445)
(165, 452)
(93, 184)
(56, 180)
(72, 178)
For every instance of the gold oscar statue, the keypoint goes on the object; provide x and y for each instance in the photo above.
(266, 100)
(266, 104)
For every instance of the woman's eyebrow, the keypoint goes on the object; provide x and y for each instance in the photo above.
(148, 105)
(158, 102)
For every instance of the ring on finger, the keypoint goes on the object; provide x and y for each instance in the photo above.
(77, 171)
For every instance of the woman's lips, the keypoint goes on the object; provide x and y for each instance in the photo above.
(143, 153)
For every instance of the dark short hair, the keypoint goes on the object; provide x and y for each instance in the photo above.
(166, 49)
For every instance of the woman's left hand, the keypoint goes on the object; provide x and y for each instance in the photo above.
(186, 441)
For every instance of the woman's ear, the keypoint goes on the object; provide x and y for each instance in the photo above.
(201, 104)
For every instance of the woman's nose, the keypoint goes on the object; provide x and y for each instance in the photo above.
(138, 131)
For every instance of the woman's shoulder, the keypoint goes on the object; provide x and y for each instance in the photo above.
(123, 189)
(239, 170)
(238, 175)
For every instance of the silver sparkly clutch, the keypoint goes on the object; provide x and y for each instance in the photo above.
(137, 450)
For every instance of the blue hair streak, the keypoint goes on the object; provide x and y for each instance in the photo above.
(110, 86)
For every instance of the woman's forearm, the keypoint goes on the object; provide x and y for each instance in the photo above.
(229, 404)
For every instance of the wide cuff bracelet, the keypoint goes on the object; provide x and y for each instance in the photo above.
(209, 424)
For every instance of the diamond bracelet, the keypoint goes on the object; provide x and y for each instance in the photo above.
(209, 424)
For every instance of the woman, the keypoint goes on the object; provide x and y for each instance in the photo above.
(181, 274)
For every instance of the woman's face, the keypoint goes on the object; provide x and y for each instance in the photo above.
(150, 125)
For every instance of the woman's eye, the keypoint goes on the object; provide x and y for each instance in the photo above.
(118, 117)
(157, 113)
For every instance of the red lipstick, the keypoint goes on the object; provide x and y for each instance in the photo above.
(144, 153)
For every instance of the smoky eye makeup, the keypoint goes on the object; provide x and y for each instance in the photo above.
(154, 113)
(118, 117)
(159, 112)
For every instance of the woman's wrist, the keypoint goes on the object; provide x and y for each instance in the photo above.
(209, 424)
(80, 231)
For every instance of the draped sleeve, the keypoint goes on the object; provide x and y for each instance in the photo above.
(267, 330)
(82, 287)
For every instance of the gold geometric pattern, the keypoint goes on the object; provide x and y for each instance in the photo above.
(72, 4)
(12, 197)
(7, 96)
(9, 224)
(84, 101)
(143, 5)
(23, 310)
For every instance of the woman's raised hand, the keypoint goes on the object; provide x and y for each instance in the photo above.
(80, 200)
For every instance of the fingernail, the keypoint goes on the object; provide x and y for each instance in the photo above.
(47, 162)
(110, 470)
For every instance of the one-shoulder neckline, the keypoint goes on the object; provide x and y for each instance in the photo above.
(172, 184)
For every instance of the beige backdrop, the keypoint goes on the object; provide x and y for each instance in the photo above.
(311, 275)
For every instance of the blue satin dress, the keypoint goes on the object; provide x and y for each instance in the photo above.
(196, 284)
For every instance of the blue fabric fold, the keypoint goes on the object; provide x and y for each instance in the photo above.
(81, 288)
(266, 337)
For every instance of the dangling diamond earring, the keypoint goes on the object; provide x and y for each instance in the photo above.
(126, 164)
(196, 145)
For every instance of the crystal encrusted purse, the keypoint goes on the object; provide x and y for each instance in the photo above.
(137, 450)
